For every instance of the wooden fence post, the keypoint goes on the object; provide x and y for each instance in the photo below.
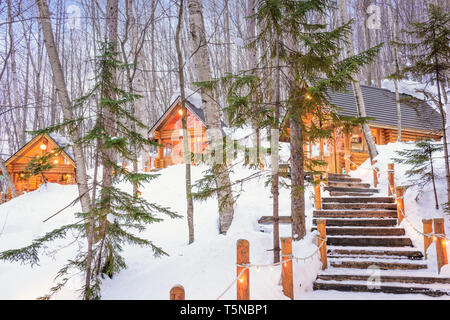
(243, 257)
(399, 192)
(177, 293)
(441, 245)
(427, 240)
(391, 179)
(375, 175)
(317, 196)
(286, 267)
(321, 227)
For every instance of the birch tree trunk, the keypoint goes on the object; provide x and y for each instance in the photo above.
(9, 182)
(61, 89)
(138, 83)
(212, 114)
(396, 70)
(361, 108)
(186, 151)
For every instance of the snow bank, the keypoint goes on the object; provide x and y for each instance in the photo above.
(205, 268)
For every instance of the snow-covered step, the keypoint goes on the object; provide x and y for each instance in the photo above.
(349, 194)
(384, 264)
(364, 231)
(358, 199)
(369, 241)
(387, 287)
(348, 184)
(359, 222)
(355, 205)
(382, 213)
(399, 278)
(404, 253)
(347, 189)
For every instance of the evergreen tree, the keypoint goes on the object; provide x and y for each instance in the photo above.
(310, 56)
(429, 58)
(421, 161)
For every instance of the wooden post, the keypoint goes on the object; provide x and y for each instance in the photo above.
(347, 148)
(375, 175)
(441, 245)
(286, 268)
(243, 257)
(399, 192)
(391, 179)
(177, 293)
(321, 227)
(427, 240)
(317, 196)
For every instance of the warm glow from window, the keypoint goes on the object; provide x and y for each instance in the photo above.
(55, 162)
(43, 147)
(198, 139)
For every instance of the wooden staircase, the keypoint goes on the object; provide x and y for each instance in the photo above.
(367, 251)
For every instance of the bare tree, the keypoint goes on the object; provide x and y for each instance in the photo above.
(212, 113)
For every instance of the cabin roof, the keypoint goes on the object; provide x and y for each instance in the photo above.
(381, 104)
(57, 139)
(198, 112)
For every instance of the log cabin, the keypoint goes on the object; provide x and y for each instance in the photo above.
(418, 121)
(168, 134)
(62, 170)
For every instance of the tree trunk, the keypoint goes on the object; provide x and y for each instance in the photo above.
(275, 157)
(361, 108)
(9, 182)
(61, 88)
(396, 70)
(186, 152)
(212, 114)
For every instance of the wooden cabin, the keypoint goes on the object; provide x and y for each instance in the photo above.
(168, 133)
(63, 165)
(419, 121)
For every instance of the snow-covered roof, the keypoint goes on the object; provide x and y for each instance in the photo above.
(381, 104)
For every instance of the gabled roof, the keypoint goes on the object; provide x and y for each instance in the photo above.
(198, 112)
(58, 140)
(381, 104)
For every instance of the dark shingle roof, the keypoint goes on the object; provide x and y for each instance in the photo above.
(380, 104)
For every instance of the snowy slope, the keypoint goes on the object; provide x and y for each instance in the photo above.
(205, 268)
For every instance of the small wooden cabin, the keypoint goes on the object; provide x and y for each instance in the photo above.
(63, 165)
(168, 133)
(419, 121)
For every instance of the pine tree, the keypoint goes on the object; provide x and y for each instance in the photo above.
(430, 61)
(310, 56)
(421, 161)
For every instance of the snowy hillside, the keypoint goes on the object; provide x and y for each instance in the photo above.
(205, 268)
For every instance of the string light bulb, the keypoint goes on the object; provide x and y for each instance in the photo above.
(180, 112)
(43, 146)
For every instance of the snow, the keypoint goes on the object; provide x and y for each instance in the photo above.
(208, 266)
(192, 96)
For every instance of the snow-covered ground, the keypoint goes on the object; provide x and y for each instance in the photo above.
(206, 267)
